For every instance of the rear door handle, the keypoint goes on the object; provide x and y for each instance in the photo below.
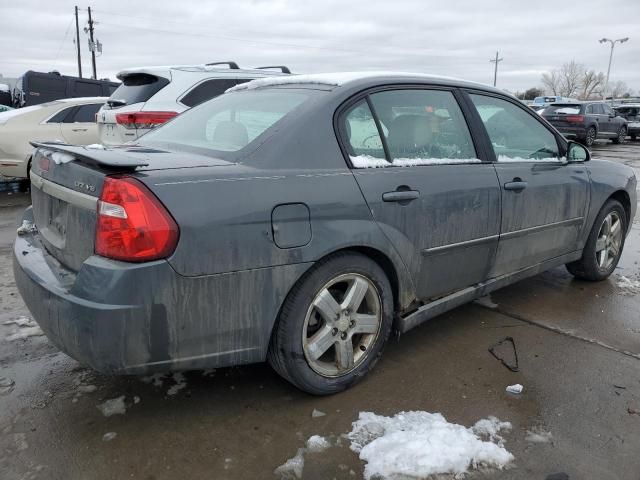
(400, 196)
(517, 185)
(79, 129)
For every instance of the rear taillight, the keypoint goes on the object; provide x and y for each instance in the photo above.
(143, 119)
(132, 223)
(574, 118)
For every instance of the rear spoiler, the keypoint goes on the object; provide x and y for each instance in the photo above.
(113, 158)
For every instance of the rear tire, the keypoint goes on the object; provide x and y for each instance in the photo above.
(604, 246)
(333, 325)
(622, 136)
(590, 137)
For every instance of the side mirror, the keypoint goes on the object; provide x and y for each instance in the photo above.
(577, 153)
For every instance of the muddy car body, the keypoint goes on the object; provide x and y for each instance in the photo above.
(279, 241)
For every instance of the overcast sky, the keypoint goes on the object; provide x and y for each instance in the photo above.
(455, 38)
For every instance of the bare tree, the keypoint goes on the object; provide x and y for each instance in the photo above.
(591, 85)
(619, 89)
(571, 74)
(551, 82)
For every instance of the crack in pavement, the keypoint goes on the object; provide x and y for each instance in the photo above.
(567, 333)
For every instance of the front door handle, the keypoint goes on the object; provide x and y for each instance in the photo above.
(517, 185)
(401, 196)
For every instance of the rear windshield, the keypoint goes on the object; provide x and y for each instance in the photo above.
(628, 111)
(138, 87)
(227, 123)
(562, 109)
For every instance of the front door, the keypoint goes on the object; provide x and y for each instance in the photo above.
(544, 198)
(428, 190)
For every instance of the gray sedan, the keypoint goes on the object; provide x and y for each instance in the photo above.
(300, 219)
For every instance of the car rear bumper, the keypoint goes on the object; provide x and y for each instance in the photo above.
(118, 317)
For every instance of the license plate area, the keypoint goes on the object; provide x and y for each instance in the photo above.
(51, 216)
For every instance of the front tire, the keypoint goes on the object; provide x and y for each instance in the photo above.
(333, 325)
(604, 246)
(622, 136)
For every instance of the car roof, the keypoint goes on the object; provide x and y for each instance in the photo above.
(624, 105)
(165, 71)
(363, 79)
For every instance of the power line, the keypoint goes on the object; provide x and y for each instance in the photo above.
(66, 34)
(495, 72)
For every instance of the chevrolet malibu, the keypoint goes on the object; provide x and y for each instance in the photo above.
(300, 219)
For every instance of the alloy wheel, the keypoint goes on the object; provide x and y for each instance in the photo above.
(622, 135)
(609, 242)
(341, 325)
(591, 137)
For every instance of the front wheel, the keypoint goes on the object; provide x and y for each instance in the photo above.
(622, 136)
(333, 325)
(604, 245)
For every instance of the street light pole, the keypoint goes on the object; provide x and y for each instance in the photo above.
(613, 44)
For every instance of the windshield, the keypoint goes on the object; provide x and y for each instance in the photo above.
(138, 87)
(227, 123)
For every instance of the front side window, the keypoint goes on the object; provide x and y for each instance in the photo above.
(515, 134)
(607, 109)
(227, 123)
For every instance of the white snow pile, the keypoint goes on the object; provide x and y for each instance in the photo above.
(114, 406)
(317, 444)
(419, 444)
(367, 161)
(317, 413)
(26, 228)
(57, 157)
(95, 146)
(292, 468)
(628, 286)
(516, 388)
(107, 437)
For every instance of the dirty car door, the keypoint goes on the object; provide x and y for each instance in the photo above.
(435, 200)
(544, 198)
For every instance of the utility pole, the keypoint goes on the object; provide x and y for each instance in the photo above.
(78, 44)
(92, 45)
(495, 72)
(613, 44)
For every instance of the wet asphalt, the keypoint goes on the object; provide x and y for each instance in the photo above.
(578, 348)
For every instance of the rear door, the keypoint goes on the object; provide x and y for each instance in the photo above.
(544, 198)
(79, 128)
(426, 185)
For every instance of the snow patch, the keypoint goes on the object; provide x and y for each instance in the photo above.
(419, 444)
(107, 437)
(181, 383)
(367, 161)
(506, 159)
(157, 379)
(329, 79)
(537, 435)
(6, 385)
(628, 286)
(95, 146)
(317, 444)
(293, 467)
(25, 332)
(57, 157)
(115, 406)
(317, 413)
(26, 228)
(21, 322)
(517, 388)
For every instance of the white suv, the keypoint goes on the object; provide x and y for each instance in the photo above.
(149, 96)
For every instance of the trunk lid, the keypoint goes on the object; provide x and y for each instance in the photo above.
(66, 185)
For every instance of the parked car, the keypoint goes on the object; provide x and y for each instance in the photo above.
(5, 108)
(299, 219)
(34, 88)
(150, 96)
(631, 113)
(587, 121)
(5, 96)
(69, 121)
(542, 102)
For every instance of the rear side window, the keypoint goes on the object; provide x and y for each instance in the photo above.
(363, 140)
(597, 109)
(227, 123)
(515, 134)
(61, 115)
(86, 113)
(139, 87)
(209, 89)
